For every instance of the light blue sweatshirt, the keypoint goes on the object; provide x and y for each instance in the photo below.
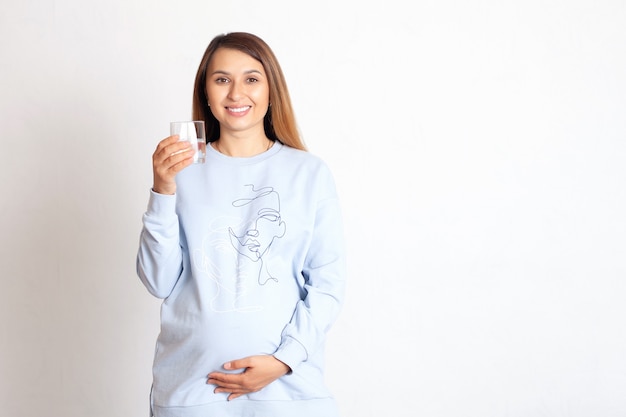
(249, 258)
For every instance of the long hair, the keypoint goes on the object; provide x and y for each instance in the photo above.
(279, 121)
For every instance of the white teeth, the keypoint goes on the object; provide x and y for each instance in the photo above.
(239, 110)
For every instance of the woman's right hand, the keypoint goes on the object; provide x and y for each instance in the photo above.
(170, 157)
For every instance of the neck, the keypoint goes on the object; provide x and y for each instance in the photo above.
(242, 148)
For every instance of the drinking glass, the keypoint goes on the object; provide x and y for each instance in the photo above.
(193, 132)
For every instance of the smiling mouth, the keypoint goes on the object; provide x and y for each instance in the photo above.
(238, 109)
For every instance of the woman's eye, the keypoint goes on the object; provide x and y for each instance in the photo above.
(252, 80)
(221, 80)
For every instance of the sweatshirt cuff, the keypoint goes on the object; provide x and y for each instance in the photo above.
(291, 352)
(161, 203)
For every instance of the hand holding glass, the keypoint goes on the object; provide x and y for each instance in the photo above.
(192, 132)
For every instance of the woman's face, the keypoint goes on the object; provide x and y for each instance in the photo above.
(238, 92)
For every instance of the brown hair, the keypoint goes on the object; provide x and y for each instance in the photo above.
(279, 122)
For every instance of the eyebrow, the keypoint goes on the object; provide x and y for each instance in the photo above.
(251, 71)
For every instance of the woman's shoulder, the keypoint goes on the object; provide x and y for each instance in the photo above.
(307, 164)
(301, 156)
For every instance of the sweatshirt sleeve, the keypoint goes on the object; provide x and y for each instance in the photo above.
(325, 277)
(159, 258)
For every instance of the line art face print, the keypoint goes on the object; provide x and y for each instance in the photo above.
(235, 249)
(265, 224)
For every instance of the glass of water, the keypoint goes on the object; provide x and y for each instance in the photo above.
(193, 132)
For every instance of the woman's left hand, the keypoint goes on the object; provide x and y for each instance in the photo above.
(258, 372)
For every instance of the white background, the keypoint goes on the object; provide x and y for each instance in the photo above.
(479, 149)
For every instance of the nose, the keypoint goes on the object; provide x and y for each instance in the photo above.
(236, 91)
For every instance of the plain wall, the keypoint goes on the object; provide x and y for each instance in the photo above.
(479, 149)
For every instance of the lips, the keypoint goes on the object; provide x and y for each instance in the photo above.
(238, 109)
(252, 245)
